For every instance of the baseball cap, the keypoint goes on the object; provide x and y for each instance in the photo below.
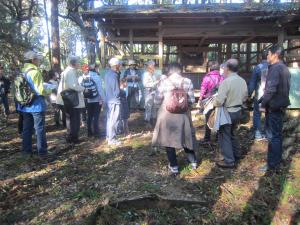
(29, 55)
(114, 61)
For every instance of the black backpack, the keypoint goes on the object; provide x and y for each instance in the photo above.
(90, 90)
(24, 93)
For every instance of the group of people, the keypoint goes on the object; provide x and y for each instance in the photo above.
(168, 101)
(268, 88)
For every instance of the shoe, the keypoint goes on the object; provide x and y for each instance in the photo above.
(174, 170)
(223, 164)
(47, 156)
(194, 166)
(258, 136)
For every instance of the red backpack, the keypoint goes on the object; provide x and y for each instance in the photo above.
(178, 101)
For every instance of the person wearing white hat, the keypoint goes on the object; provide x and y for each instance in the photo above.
(150, 83)
(112, 97)
(133, 78)
(34, 114)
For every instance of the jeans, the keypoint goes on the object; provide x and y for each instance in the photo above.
(73, 123)
(275, 122)
(4, 101)
(227, 139)
(113, 117)
(93, 110)
(171, 154)
(34, 120)
(256, 117)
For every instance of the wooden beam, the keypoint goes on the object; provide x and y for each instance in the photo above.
(248, 39)
(280, 37)
(292, 37)
(131, 43)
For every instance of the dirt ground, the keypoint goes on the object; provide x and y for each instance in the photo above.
(91, 183)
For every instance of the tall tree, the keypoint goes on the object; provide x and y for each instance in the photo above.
(48, 33)
(55, 36)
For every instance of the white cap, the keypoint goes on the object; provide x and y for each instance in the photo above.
(29, 55)
(151, 63)
(114, 62)
(131, 62)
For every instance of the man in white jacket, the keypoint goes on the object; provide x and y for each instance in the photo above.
(69, 80)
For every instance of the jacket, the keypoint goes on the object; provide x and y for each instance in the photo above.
(232, 93)
(258, 79)
(69, 80)
(112, 87)
(277, 88)
(36, 81)
(209, 81)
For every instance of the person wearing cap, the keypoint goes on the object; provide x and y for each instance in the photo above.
(232, 93)
(34, 114)
(93, 105)
(69, 80)
(113, 101)
(150, 83)
(4, 90)
(133, 78)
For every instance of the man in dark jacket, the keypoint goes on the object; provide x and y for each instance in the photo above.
(4, 90)
(275, 100)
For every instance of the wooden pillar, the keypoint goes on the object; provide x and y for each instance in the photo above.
(228, 51)
(220, 58)
(102, 49)
(248, 60)
(280, 37)
(160, 45)
(131, 43)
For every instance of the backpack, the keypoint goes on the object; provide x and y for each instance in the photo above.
(178, 101)
(24, 93)
(90, 90)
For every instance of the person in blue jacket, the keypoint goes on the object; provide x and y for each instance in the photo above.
(257, 84)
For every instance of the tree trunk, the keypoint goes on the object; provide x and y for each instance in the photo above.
(55, 36)
(48, 33)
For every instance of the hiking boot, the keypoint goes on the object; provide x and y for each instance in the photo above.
(225, 165)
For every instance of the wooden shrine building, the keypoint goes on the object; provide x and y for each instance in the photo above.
(196, 33)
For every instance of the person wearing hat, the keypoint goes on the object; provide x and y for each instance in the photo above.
(150, 83)
(113, 101)
(34, 114)
(133, 78)
(92, 82)
(69, 80)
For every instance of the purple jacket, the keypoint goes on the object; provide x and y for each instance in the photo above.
(210, 80)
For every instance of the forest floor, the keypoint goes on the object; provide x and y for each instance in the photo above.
(90, 183)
